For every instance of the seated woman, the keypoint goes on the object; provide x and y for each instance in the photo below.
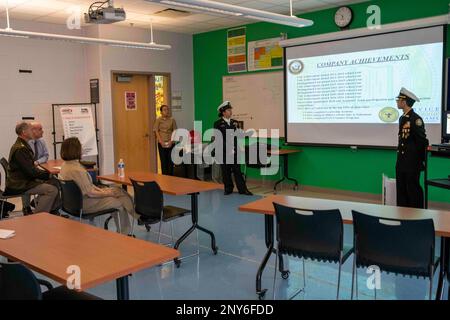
(94, 198)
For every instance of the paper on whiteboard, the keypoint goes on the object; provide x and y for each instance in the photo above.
(79, 122)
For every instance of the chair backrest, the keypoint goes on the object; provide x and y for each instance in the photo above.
(71, 197)
(148, 199)
(5, 165)
(17, 282)
(399, 246)
(315, 234)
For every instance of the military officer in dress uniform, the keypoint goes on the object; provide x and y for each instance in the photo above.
(223, 124)
(411, 152)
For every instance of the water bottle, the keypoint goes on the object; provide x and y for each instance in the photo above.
(121, 169)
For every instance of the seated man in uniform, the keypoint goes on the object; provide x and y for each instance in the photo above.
(25, 178)
(40, 151)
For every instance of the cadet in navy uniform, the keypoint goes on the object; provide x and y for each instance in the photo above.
(223, 124)
(411, 153)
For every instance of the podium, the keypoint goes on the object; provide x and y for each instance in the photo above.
(436, 182)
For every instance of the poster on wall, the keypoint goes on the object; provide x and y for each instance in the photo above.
(130, 100)
(265, 55)
(236, 50)
(78, 122)
(177, 100)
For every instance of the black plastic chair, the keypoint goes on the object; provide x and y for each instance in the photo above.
(310, 234)
(403, 247)
(3, 196)
(149, 204)
(17, 282)
(72, 204)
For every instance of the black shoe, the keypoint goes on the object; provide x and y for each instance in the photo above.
(5, 215)
(27, 211)
(227, 192)
(246, 192)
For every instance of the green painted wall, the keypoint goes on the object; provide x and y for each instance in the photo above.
(338, 168)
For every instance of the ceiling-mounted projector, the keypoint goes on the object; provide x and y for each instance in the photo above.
(103, 12)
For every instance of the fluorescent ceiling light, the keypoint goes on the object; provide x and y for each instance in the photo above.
(237, 11)
(9, 32)
(83, 40)
(197, 7)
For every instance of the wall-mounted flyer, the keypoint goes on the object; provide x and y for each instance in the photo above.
(265, 55)
(79, 122)
(236, 50)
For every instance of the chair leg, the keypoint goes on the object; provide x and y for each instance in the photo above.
(171, 233)
(132, 224)
(198, 243)
(353, 277)
(339, 277)
(356, 283)
(118, 221)
(304, 273)
(159, 231)
(3, 207)
(275, 274)
(431, 284)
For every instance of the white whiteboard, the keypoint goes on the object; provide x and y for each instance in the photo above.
(257, 99)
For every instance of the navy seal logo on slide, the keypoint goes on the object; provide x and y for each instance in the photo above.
(388, 115)
(296, 67)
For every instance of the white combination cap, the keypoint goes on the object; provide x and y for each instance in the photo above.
(405, 94)
(223, 105)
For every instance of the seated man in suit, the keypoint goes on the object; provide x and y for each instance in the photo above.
(25, 178)
(37, 144)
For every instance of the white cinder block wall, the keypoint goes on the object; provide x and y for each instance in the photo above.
(58, 77)
(61, 73)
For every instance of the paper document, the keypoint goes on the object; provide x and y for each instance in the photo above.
(5, 234)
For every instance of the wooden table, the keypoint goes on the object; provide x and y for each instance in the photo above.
(284, 153)
(50, 244)
(265, 206)
(52, 166)
(174, 186)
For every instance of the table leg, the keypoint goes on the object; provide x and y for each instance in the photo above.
(125, 187)
(268, 234)
(285, 174)
(269, 239)
(123, 292)
(194, 214)
(443, 270)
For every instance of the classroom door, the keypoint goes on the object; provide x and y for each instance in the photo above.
(133, 117)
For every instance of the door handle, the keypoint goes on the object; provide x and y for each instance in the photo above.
(146, 135)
